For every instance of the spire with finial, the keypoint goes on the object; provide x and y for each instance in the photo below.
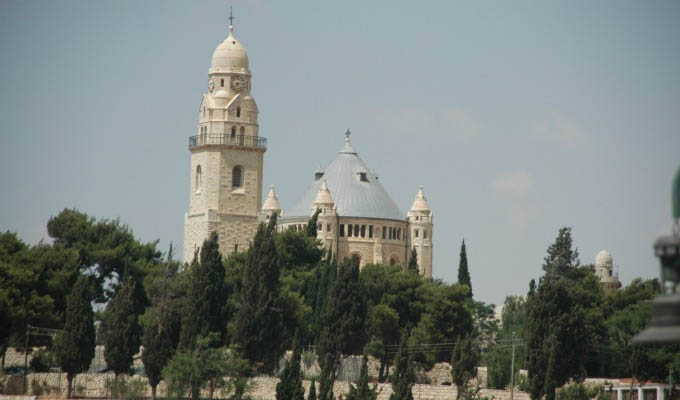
(272, 202)
(420, 203)
(347, 135)
(231, 18)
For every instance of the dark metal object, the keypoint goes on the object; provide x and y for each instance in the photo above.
(664, 326)
(226, 139)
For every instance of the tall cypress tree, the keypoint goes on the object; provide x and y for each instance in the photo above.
(258, 325)
(312, 223)
(463, 273)
(290, 383)
(464, 362)
(361, 391)
(122, 334)
(203, 312)
(74, 346)
(413, 261)
(161, 325)
(403, 376)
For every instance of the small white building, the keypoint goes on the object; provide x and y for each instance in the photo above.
(642, 390)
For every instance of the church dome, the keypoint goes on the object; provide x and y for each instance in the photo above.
(230, 55)
(356, 191)
(603, 259)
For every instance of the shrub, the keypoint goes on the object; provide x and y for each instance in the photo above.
(124, 388)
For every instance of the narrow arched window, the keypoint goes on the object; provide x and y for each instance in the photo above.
(238, 112)
(198, 178)
(237, 177)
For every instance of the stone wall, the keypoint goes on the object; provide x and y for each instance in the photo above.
(94, 385)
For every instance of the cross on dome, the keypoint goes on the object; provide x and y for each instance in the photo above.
(347, 135)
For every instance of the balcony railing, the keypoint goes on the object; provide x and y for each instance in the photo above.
(226, 139)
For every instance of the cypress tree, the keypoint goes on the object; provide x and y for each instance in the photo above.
(160, 328)
(205, 301)
(463, 273)
(121, 329)
(74, 346)
(361, 391)
(403, 377)
(464, 360)
(290, 383)
(312, 223)
(258, 324)
(413, 261)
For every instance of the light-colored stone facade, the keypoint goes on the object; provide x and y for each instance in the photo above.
(604, 270)
(226, 157)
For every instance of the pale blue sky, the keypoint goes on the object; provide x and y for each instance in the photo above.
(518, 117)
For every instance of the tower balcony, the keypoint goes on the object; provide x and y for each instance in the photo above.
(256, 143)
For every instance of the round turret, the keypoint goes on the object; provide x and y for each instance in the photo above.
(603, 259)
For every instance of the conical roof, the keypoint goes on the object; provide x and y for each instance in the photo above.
(356, 190)
(420, 203)
(272, 202)
(323, 197)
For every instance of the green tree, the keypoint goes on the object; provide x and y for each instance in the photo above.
(362, 391)
(463, 273)
(74, 346)
(413, 261)
(290, 383)
(464, 362)
(161, 322)
(192, 369)
(257, 325)
(106, 248)
(557, 328)
(121, 329)
(384, 326)
(312, 223)
(499, 356)
(403, 377)
(203, 313)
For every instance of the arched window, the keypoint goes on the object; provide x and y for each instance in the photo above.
(198, 178)
(237, 177)
(238, 112)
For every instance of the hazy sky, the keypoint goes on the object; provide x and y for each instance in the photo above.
(518, 117)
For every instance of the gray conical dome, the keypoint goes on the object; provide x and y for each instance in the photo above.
(356, 191)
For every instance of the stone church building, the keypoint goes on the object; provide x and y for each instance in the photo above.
(357, 215)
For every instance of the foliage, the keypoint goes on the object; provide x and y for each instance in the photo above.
(413, 261)
(485, 323)
(362, 391)
(290, 383)
(564, 319)
(464, 362)
(125, 388)
(403, 377)
(577, 391)
(311, 225)
(74, 346)
(42, 360)
(105, 248)
(161, 320)
(463, 272)
(192, 369)
(257, 323)
(203, 312)
(121, 329)
(499, 356)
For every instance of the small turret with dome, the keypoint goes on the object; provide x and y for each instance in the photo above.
(420, 225)
(604, 270)
(271, 205)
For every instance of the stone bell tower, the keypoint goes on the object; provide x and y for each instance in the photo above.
(420, 225)
(227, 153)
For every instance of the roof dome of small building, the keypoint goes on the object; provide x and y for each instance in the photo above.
(230, 55)
(272, 202)
(603, 259)
(420, 203)
(323, 197)
(356, 190)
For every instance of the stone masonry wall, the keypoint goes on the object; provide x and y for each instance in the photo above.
(94, 385)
